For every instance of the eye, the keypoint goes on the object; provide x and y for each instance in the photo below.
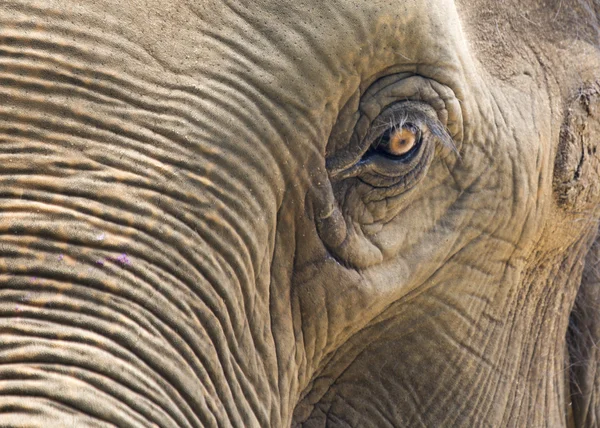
(398, 142)
(395, 152)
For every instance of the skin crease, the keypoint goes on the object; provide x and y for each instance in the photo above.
(177, 251)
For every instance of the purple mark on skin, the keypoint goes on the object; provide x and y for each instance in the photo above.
(61, 257)
(34, 279)
(123, 259)
(100, 237)
(18, 308)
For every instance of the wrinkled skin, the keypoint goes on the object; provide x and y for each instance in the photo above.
(194, 231)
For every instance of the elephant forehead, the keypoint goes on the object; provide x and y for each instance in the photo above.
(335, 46)
(279, 46)
(340, 33)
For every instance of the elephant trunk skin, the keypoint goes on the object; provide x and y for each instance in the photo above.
(125, 302)
(129, 262)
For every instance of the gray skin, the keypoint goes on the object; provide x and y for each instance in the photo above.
(196, 233)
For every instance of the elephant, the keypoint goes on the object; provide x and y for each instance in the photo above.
(302, 213)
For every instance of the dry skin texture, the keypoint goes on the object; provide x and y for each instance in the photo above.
(207, 220)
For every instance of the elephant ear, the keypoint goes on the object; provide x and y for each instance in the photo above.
(584, 344)
(577, 164)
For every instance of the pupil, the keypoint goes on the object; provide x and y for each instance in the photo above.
(392, 141)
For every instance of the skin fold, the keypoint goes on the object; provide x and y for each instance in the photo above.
(200, 226)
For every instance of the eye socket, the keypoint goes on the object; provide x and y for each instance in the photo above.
(398, 142)
(395, 152)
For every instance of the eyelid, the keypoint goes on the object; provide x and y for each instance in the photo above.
(422, 90)
(399, 114)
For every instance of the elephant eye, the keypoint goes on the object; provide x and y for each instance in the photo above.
(395, 151)
(398, 142)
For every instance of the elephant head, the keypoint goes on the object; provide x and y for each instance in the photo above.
(309, 213)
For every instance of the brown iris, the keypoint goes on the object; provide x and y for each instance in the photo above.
(398, 141)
